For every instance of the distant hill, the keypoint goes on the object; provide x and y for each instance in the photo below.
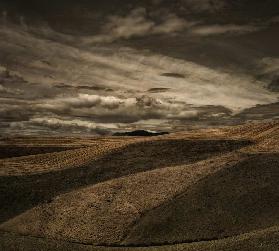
(141, 133)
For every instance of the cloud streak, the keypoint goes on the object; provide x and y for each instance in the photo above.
(217, 29)
(138, 24)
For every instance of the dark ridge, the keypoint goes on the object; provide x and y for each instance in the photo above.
(86, 87)
(141, 133)
(94, 88)
(158, 90)
(173, 75)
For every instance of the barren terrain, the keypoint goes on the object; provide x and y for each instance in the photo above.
(211, 189)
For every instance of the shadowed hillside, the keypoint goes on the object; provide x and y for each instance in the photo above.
(233, 201)
(21, 192)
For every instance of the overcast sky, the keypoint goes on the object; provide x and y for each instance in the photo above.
(97, 67)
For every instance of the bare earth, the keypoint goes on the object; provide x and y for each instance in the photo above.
(214, 189)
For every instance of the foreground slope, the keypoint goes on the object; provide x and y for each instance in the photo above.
(264, 240)
(217, 189)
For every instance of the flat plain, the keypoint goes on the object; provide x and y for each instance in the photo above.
(208, 189)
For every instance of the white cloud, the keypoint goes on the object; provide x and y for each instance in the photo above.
(74, 124)
(84, 101)
(129, 108)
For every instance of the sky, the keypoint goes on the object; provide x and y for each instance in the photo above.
(99, 67)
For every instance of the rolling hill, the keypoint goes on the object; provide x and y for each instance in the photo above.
(210, 189)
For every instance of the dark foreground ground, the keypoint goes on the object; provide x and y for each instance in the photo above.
(201, 190)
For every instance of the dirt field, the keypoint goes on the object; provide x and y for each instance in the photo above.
(214, 189)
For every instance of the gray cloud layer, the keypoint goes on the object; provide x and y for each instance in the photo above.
(52, 82)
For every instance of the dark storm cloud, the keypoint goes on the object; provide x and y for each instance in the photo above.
(259, 112)
(112, 20)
